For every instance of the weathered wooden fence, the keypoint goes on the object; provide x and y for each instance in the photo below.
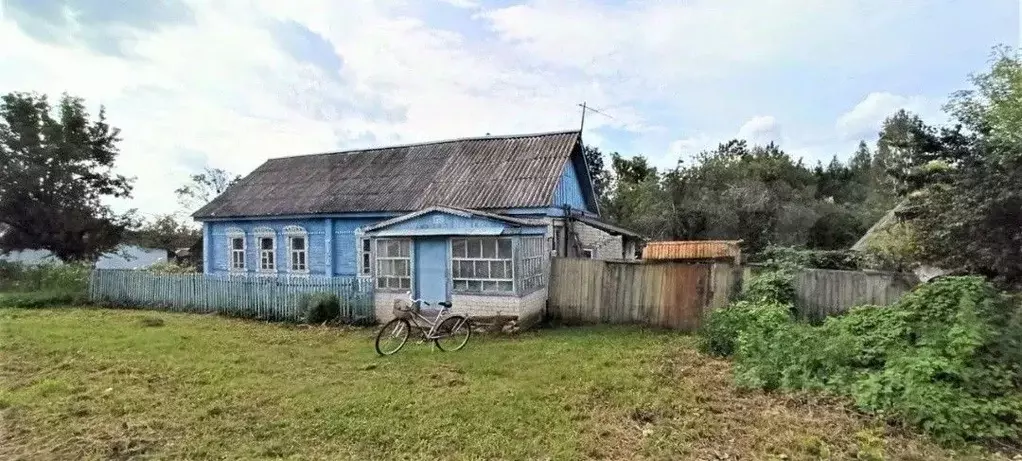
(592, 291)
(677, 295)
(270, 298)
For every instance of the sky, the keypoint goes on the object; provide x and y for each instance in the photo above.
(231, 83)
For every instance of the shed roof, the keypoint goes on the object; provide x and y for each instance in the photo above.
(491, 172)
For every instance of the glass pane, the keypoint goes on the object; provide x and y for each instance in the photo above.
(505, 286)
(381, 282)
(266, 243)
(456, 269)
(458, 248)
(467, 269)
(392, 282)
(473, 285)
(365, 263)
(301, 258)
(504, 248)
(489, 286)
(497, 270)
(460, 285)
(489, 248)
(482, 269)
(298, 243)
(406, 282)
(401, 267)
(403, 248)
(238, 243)
(366, 245)
(507, 269)
(474, 248)
(269, 258)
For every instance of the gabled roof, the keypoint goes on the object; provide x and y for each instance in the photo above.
(492, 172)
(457, 212)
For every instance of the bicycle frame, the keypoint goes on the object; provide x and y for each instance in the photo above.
(431, 334)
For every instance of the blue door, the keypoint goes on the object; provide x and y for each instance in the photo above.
(431, 269)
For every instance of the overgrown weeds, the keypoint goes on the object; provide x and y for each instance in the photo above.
(944, 359)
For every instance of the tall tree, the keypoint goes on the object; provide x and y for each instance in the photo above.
(963, 183)
(56, 169)
(165, 232)
(204, 187)
(600, 177)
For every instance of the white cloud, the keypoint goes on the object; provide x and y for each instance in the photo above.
(220, 90)
(865, 119)
(761, 129)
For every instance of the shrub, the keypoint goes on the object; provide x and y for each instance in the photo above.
(39, 299)
(772, 286)
(943, 359)
(817, 259)
(170, 268)
(321, 307)
(16, 277)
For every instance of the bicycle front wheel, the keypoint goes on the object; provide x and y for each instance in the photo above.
(453, 333)
(392, 337)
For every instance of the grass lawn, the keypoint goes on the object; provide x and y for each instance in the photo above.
(92, 383)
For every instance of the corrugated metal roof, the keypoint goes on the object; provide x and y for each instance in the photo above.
(693, 249)
(488, 172)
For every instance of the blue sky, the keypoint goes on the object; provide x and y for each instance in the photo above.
(234, 82)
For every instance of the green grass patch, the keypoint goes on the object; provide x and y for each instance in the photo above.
(101, 384)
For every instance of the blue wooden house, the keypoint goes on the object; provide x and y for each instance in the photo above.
(473, 221)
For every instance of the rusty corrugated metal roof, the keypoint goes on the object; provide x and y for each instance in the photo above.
(488, 172)
(692, 249)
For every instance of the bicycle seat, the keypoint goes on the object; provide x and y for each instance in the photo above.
(446, 304)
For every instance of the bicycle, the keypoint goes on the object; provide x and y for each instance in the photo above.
(394, 334)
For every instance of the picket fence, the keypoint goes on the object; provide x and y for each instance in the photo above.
(269, 298)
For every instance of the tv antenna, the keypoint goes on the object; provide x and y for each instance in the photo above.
(585, 108)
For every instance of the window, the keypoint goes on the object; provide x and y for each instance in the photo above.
(365, 257)
(236, 249)
(587, 253)
(482, 265)
(393, 264)
(532, 264)
(297, 248)
(266, 243)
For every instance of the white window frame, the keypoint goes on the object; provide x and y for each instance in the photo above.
(381, 275)
(291, 233)
(534, 279)
(233, 234)
(509, 275)
(591, 253)
(362, 269)
(261, 233)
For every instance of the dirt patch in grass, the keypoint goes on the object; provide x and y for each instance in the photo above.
(99, 384)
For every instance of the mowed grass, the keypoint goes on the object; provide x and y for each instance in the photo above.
(107, 384)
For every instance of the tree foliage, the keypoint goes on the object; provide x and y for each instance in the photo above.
(56, 170)
(963, 183)
(165, 232)
(204, 187)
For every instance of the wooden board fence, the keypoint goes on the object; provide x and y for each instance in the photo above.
(270, 298)
(678, 295)
(672, 295)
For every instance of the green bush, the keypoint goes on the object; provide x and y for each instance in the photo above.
(771, 286)
(817, 259)
(22, 278)
(944, 359)
(39, 299)
(170, 268)
(321, 307)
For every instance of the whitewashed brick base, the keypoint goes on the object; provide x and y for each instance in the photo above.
(530, 305)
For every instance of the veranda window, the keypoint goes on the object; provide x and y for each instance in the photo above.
(482, 265)
(393, 264)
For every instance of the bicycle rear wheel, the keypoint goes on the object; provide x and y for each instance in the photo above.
(453, 333)
(392, 337)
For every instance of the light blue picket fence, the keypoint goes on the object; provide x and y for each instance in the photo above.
(269, 298)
